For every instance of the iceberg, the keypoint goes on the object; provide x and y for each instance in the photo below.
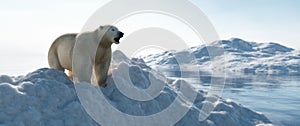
(48, 97)
(239, 57)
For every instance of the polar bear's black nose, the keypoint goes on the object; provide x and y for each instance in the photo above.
(121, 34)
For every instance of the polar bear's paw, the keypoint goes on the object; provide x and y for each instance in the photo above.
(102, 84)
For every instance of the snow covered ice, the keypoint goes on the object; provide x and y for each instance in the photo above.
(241, 57)
(47, 97)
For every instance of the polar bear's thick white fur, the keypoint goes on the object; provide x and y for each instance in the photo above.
(91, 52)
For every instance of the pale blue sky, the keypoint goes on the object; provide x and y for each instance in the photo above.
(28, 27)
(255, 20)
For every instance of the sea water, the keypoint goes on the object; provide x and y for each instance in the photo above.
(277, 97)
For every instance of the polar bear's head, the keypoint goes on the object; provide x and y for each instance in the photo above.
(111, 33)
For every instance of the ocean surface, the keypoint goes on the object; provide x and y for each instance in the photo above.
(277, 97)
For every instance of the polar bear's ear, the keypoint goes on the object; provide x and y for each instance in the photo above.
(101, 27)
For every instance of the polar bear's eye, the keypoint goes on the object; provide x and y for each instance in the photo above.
(112, 29)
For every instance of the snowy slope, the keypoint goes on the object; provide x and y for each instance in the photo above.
(47, 97)
(241, 56)
(43, 97)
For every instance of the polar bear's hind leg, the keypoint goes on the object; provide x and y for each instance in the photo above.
(53, 60)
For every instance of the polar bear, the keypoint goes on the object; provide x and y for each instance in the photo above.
(92, 52)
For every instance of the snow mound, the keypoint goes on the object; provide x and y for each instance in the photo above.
(48, 97)
(240, 56)
(43, 97)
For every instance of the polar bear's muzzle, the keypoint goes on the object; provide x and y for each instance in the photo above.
(117, 39)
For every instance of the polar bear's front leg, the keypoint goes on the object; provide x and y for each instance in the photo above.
(101, 71)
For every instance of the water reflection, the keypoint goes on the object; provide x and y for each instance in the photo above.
(278, 97)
